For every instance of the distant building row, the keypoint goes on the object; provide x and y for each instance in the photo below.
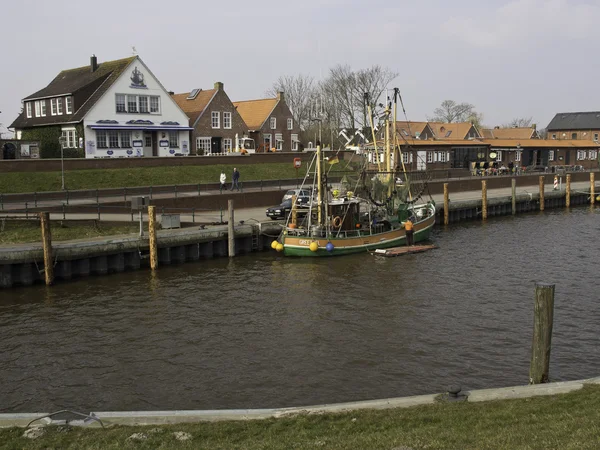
(119, 109)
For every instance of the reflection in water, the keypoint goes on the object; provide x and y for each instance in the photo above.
(264, 330)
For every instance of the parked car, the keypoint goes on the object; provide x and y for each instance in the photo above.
(299, 193)
(283, 210)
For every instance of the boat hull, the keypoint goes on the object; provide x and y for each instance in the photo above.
(299, 245)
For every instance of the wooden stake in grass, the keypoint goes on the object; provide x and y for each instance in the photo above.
(47, 245)
(542, 201)
(484, 200)
(446, 205)
(543, 320)
(152, 233)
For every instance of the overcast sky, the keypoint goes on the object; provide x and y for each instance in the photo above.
(510, 59)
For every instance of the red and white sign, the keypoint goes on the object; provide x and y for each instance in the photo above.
(297, 163)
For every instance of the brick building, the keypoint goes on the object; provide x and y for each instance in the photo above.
(575, 125)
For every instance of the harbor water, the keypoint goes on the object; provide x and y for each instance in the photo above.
(266, 331)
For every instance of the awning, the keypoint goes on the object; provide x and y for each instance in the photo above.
(139, 127)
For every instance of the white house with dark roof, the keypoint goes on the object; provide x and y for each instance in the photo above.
(112, 109)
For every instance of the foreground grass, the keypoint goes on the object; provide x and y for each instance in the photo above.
(20, 231)
(17, 182)
(569, 421)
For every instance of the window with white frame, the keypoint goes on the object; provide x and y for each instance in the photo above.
(28, 110)
(43, 108)
(279, 141)
(155, 105)
(215, 119)
(553, 135)
(429, 157)
(125, 138)
(273, 123)
(120, 102)
(143, 100)
(226, 142)
(173, 139)
(593, 154)
(101, 139)
(499, 156)
(132, 104)
(267, 142)
(442, 157)
(37, 109)
(290, 124)
(69, 105)
(595, 136)
(69, 137)
(53, 106)
(405, 157)
(113, 139)
(518, 156)
(227, 120)
(294, 142)
(581, 154)
(203, 146)
(550, 155)
(59, 108)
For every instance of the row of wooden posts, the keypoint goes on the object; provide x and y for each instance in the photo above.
(484, 202)
(152, 241)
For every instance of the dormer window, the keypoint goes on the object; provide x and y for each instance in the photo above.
(43, 108)
(53, 106)
(69, 105)
(37, 109)
(59, 108)
(448, 133)
(28, 110)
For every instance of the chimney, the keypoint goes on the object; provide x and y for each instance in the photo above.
(280, 96)
(534, 126)
(171, 93)
(94, 63)
(496, 127)
(219, 86)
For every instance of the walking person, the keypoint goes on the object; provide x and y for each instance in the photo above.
(235, 179)
(408, 227)
(223, 180)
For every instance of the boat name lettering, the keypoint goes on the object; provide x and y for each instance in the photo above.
(304, 242)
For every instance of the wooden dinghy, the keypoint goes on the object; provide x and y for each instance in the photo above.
(405, 250)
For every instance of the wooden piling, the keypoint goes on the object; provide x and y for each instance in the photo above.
(152, 233)
(47, 245)
(542, 193)
(484, 200)
(543, 320)
(230, 230)
(513, 185)
(446, 205)
(294, 211)
(568, 191)
(592, 188)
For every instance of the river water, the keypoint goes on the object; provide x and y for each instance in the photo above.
(267, 331)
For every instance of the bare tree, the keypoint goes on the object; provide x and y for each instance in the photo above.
(519, 122)
(450, 111)
(299, 91)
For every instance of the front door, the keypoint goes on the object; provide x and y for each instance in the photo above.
(421, 160)
(148, 143)
(215, 146)
(567, 157)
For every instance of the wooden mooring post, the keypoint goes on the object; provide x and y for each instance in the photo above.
(152, 233)
(446, 205)
(484, 200)
(513, 185)
(542, 193)
(230, 230)
(568, 191)
(543, 319)
(592, 188)
(47, 245)
(294, 211)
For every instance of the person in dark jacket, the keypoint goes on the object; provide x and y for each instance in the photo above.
(235, 179)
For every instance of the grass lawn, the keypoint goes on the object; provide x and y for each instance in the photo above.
(569, 421)
(22, 231)
(16, 182)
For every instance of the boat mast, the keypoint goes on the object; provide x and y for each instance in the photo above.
(370, 111)
(319, 186)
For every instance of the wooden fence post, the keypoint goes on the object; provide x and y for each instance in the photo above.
(542, 193)
(568, 191)
(47, 245)
(484, 200)
(231, 229)
(152, 233)
(543, 319)
(446, 205)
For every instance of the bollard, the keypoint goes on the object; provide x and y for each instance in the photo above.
(47, 246)
(513, 186)
(152, 233)
(542, 193)
(542, 333)
(568, 193)
(592, 188)
(230, 230)
(132, 215)
(484, 200)
(446, 205)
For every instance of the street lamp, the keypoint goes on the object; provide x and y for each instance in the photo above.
(62, 142)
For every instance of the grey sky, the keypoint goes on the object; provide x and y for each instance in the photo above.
(508, 58)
